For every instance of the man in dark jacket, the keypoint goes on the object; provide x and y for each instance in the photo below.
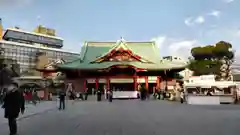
(99, 95)
(62, 95)
(13, 104)
(143, 92)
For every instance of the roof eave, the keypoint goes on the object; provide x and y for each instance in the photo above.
(153, 69)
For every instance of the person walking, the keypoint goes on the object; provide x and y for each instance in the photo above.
(182, 97)
(86, 94)
(110, 95)
(13, 104)
(62, 96)
(1, 96)
(50, 96)
(78, 95)
(143, 92)
(99, 95)
(34, 97)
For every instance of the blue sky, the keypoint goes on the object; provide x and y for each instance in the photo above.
(176, 25)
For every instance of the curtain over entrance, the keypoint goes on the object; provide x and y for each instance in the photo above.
(122, 84)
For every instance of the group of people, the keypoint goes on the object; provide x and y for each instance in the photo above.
(31, 96)
(72, 95)
(162, 94)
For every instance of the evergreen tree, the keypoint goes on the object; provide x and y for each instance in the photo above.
(213, 59)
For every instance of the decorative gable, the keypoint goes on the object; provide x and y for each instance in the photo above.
(120, 53)
(52, 65)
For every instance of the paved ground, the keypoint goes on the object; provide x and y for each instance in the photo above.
(133, 117)
(32, 110)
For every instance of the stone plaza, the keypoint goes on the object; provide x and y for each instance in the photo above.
(131, 117)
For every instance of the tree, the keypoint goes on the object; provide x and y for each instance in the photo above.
(7, 72)
(213, 59)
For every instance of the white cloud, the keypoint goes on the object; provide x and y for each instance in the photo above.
(190, 21)
(228, 1)
(159, 41)
(238, 33)
(215, 13)
(199, 20)
(182, 47)
(174, 46)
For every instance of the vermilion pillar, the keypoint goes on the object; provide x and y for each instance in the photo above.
(135, 82)
(96, 83)
(84, 84)
(108, 83)
(146, 82)
(158, 82)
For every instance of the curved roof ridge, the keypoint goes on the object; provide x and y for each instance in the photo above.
(83, 51)
(156, 49)
(117, 44)
(115, 41)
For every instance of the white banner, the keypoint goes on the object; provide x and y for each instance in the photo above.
(102, 81)
(202, 78)
(91, 80)
(141, 80)
(125, 94)
(122, 80)
(152, 78)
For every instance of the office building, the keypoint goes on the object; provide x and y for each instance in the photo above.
(27, 56)
(33, 50)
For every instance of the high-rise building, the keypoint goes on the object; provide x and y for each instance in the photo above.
(32, 38)
(30, 56)
(44, 30)
(33, 50)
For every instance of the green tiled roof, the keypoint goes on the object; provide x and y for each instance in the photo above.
(147, 50)
(159, 66)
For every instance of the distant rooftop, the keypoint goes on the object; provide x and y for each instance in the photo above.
(21, 35)
(38, 47)
(33, 33)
